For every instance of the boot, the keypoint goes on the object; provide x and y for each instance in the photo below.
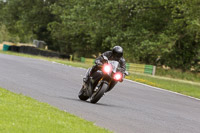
(85, 82)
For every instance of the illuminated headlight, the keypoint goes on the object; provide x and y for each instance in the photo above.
(118, 76)
(107, 68)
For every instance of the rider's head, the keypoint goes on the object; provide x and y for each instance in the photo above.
(117, 52)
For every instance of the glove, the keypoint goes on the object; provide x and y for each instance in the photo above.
(98, 63)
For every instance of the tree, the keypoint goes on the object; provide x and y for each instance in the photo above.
(168, 30)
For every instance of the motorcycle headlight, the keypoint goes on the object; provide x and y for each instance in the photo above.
(118, 76)
(107, 68)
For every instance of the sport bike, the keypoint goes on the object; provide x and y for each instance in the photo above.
(101, 81)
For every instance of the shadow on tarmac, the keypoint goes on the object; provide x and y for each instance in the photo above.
(97, 104)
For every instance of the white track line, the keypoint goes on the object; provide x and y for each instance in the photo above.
(142, 84)
(162, 89)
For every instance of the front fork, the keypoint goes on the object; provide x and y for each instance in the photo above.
(90, 89)
(101, 82)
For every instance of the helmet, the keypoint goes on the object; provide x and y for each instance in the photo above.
(117, 52)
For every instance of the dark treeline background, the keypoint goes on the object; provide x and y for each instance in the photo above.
(160, 32)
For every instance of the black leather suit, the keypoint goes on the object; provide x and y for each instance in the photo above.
(110, 56)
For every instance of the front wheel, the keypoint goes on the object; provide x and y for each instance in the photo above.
(99, 93)
(82, 94)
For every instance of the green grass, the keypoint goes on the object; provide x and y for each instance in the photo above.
(181, 86)
(21, 114)
(178, 74)
(186, 88)
(62, 61)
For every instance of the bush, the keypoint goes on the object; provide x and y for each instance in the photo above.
(6, 36)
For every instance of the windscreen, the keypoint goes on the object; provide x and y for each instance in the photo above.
(114, 64)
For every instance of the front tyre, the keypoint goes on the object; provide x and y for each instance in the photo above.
(82, 94)
(99, 93)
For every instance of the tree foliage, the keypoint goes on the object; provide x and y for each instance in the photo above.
(161, 32)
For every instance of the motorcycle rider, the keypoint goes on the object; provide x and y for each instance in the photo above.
(116, 54)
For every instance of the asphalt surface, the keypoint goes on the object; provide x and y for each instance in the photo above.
(128, 108)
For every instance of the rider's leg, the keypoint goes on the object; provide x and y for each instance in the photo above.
(89, 72)
(87, 75)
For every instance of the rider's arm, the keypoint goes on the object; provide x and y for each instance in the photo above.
(100, 58)
(123, 65)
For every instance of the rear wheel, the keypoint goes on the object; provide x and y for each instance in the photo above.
(82, 94)
(99, 93)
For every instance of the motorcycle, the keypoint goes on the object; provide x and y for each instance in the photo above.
(101, 81)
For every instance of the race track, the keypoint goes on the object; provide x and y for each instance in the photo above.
(128, 108)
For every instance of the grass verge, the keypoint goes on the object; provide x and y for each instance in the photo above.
(19, 114)
(181, 86)
(186, 88)
(178, 74)
(66, 62)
